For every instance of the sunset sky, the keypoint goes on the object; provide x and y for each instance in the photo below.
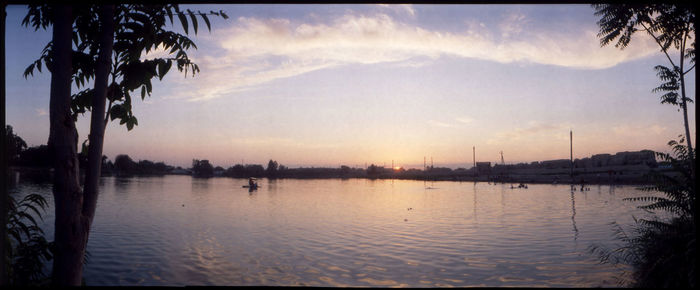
(325, 85)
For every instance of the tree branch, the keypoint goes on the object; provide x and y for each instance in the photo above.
(659, 43)
(114, 78)
(109, 106)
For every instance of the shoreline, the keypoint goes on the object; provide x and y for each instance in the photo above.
(622, 177)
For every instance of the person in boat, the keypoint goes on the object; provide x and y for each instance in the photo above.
(251, 182)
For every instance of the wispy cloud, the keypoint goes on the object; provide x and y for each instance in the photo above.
(512, 24)
(279, 143)
(257, 51)
(41, 112)
(401, 8)
(464, 120)
(637, 130)
(534, 128)
(439, 124)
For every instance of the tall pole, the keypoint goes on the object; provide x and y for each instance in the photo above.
(474, 155)
(571, 147)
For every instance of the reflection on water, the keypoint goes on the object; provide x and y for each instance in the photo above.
(573, 214)
(178, 230)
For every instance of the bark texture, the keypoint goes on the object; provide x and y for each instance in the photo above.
(63, 142)
(75, 208)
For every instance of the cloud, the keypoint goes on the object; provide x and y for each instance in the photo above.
(460, 120)
(533, 129)
(439, 124)
(279, 143)
(464, 120)
(256, 51)
(405, 8)
(41, 112)
(637, 130)
(512, 24)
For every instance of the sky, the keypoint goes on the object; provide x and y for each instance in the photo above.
(330, 85)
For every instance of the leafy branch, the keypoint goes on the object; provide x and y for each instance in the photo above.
(139, 30)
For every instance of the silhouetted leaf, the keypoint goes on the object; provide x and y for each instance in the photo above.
(28, 217)
(194, 20)
(117, 112)
(183, 21)
(149, 87)
(206, 20)
(34, 209)
(170, 15)
(29, 71)
(131, 122)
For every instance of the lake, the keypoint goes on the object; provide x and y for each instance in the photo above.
(178, 230)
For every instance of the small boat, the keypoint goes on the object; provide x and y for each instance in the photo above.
(252, 184)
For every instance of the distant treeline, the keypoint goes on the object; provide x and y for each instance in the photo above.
(39, 156)
(202, 168)
(124, 165)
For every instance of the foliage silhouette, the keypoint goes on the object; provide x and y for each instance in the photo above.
(37, 156)
(272, 169)
(671, 26)
(139, 29)
(202, 168)
(124, 163)
(13, 145)
(29, 249)
(661, 251)
(373, 170)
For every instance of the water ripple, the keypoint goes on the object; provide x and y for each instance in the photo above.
(176, 230)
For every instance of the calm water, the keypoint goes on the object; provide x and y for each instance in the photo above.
(176, 230)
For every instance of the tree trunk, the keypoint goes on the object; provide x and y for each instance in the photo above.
(97, 124)
(69, 235)
(691, 154)
(684, 105)
(75, 210)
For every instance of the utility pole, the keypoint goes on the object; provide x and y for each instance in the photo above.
(474, 155)
(502, 162)
(424, 167)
